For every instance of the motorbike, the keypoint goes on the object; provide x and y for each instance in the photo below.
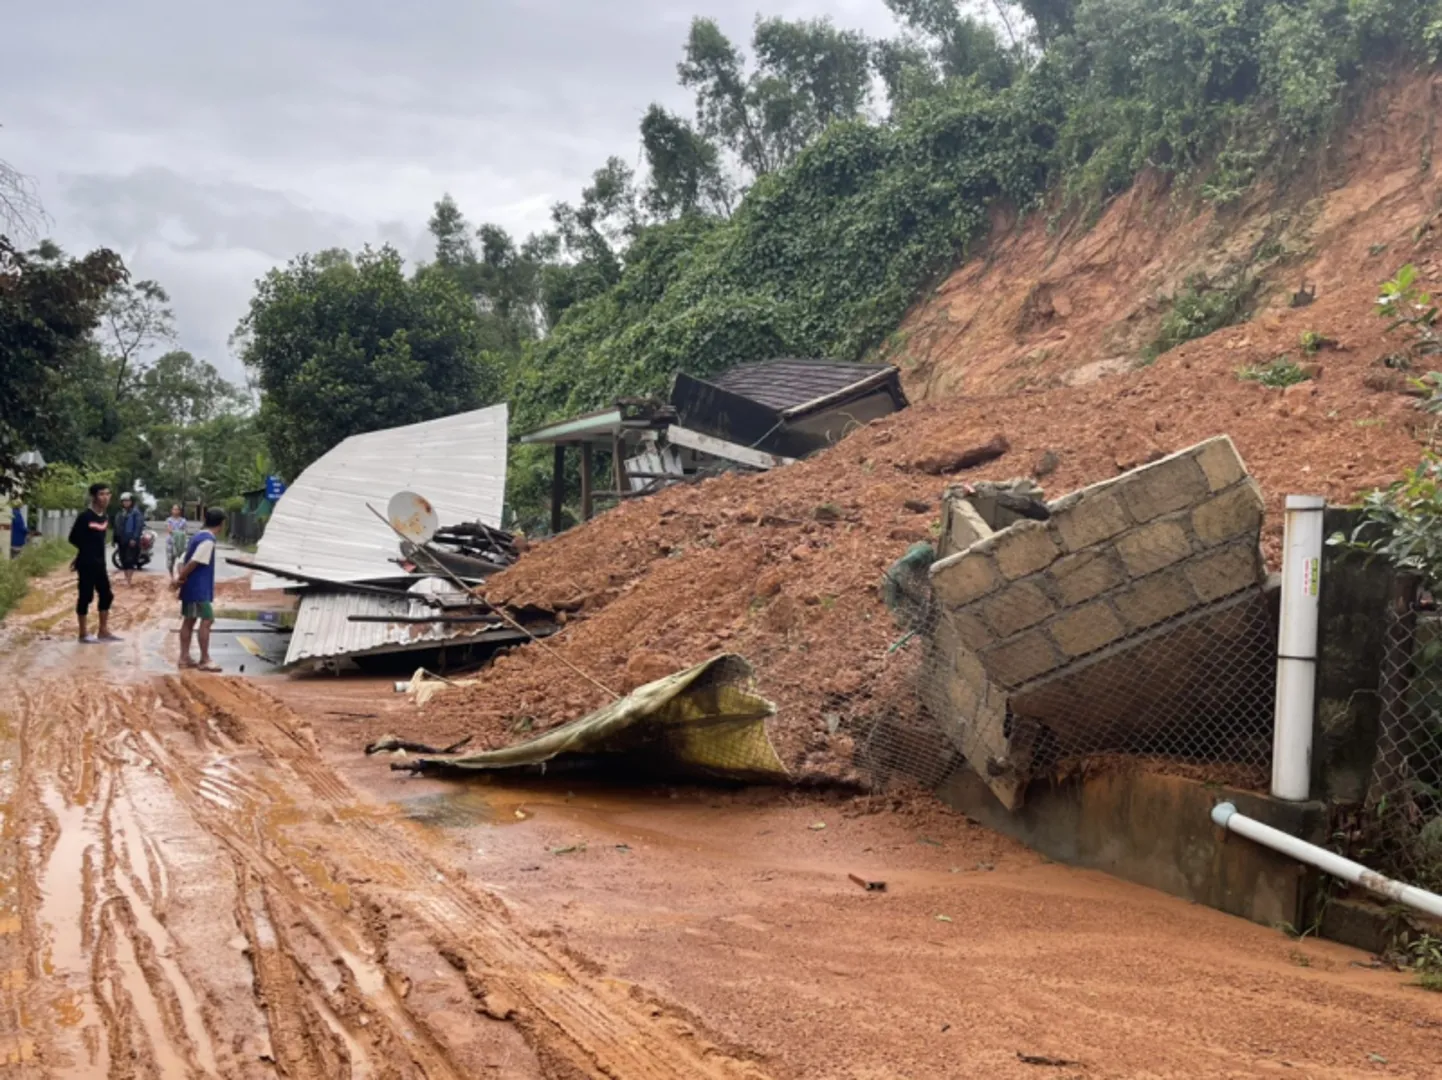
(147, 550)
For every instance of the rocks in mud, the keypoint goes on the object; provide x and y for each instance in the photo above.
(498, 1005)
(646, 666)
(1045, 465)
(943, 462)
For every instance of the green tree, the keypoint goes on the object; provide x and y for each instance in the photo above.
(503, 279)
(344, 344)
(180, 389)
(49, 306)
(807, 76)
(136, 318)
(686, 175)
(945, 43)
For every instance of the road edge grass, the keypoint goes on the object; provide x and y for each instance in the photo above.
(35, 560)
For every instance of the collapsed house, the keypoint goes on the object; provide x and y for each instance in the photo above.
(754, 416)
(1130, 616)
(364, 590)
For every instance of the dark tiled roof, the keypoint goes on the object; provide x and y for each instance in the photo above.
(785, 384)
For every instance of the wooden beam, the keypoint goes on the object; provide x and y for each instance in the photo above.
(585, 481)
(709, 444)
(618, 455)
(558, 488)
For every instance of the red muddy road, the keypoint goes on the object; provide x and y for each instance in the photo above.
(203, 876)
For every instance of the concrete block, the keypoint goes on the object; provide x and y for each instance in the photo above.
(1171, 484)
(1235, 512)
(961, 699)
(1155, 599)
(1021, 659)
(962, 526)
(1153, 547)
(1220, 462)
(1090, 520)
(968, 628)
(969, 667)
(1087, 629)
(1226, 571)
(1077, 578)
(1024, 549)
(1017, 607)
(962, 578)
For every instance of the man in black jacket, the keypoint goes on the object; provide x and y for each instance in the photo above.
(129, 528)
(87, 536)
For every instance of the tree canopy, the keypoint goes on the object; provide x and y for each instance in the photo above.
(342, 344)
(49, 306)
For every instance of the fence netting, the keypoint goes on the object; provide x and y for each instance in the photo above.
(1401, 822)
(1144, 661)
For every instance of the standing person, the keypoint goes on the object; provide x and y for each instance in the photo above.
(19, 531)
(129, 528)
(87, 536)
(175, 538)
(196, 586)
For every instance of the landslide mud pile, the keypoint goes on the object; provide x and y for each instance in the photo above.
(784, 567)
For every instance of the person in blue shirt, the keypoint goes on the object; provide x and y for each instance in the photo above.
(19, 531)
(196, 585)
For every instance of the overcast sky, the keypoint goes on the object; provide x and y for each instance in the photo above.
(207, 143)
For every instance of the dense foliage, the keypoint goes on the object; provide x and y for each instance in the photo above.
(342, 344)
(825, 252)
(81, 384)
(49, 306)
(794, 213)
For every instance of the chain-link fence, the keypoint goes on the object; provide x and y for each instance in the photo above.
(1120, 628)
(1401, 829)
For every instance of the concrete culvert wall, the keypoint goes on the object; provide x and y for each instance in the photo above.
(1133, 620)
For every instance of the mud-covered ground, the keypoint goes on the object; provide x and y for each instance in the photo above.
(203, 876)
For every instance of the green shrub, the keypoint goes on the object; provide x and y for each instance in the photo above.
(1403, 522)
(1281, 372)
(35, 560)
(1203, 308)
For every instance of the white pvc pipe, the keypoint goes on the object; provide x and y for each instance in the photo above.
(1227, 816)
(1297, 648)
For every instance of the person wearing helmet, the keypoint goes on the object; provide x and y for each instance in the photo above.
(129, 528)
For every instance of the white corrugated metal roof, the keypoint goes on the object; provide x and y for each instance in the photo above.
(321, 526)
(323, 628)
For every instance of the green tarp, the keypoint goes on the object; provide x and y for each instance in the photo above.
(707, 719)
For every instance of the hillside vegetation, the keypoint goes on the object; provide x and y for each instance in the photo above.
(802, 211)
(824, 257)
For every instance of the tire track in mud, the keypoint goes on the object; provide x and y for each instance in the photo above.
(100, 969)
(576, 1021)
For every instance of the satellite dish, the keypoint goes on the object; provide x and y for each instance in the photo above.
(413, 516)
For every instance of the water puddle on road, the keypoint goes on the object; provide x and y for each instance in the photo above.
(62, 914)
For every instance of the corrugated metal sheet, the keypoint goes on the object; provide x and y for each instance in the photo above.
(321, 526)
(323, 628)
(785, 384)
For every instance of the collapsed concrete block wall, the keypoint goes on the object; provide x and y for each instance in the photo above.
(1047, 630)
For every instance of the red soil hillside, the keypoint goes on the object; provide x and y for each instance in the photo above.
(747, 564)
(1041, 305)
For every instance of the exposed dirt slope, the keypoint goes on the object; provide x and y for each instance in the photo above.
(783, 568)
(1043, 304)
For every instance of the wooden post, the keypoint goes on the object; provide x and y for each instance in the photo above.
(585, 481)
(558, 488)
(618, 451)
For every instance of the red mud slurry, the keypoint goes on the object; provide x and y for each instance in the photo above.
(204, 876)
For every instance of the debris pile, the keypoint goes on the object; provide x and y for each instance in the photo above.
(784, 567)
(374, 584)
